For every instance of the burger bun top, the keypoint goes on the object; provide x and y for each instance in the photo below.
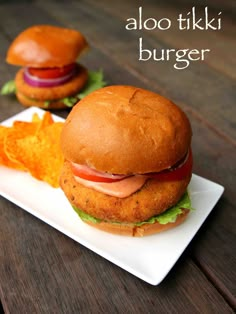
(45, 46)
(126, 130)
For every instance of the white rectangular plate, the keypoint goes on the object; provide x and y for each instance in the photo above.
(149, 258)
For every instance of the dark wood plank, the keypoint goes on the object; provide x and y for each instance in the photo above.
(216, 242)
(228, 6)
(8, 104)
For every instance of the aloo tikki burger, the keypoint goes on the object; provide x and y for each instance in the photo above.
(49, 72)
(128, 161)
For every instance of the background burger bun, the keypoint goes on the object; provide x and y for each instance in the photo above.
(45, 46)
(125, 130)
(28, 102)
(138, 231)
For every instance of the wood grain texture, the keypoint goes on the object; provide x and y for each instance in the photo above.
(43, 271)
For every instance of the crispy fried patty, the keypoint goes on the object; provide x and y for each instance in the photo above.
(50, 93)
(152, 199)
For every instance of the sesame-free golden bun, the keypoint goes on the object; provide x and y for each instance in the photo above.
(43, 46)
(126, 130)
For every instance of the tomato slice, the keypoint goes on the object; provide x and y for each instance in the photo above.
(90, 174)
(51, 73)
(177, 173)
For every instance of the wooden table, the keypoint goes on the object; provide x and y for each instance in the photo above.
(42, 270)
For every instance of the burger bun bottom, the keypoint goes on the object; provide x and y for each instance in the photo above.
(27, 102)
(138, 231)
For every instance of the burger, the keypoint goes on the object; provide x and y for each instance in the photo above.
(128, 161)
(49, 73)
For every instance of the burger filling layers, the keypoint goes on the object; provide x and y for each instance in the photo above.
(55, 77)
(123, 186)
(49, 77)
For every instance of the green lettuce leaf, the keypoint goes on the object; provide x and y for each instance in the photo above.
(84, 216)
(8, 88)
(69, 101)
(169, 216)
(95, 81)
(172, 213)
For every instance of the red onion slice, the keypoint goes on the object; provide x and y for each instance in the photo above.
(39, 82)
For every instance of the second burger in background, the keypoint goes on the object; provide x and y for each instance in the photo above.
(50, 77)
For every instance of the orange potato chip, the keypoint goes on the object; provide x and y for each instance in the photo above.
(35, 117)
(22, 129)
(33, 146)
(46, 120)
(3, 132)
(19, 130)
(4, 160)
(41, 154)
